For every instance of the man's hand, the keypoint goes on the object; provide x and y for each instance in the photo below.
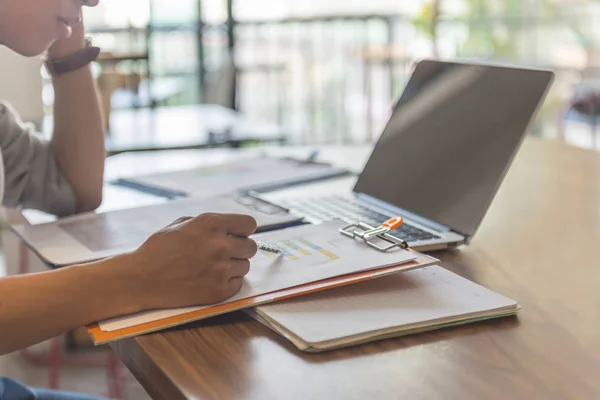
(195, 261)
(63, 48)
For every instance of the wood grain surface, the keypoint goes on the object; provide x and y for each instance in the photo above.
(539, 244)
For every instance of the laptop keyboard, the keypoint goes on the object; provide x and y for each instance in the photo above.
(324, 209)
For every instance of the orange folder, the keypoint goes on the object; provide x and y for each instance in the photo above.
(101, 337)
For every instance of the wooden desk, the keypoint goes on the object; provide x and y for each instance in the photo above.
(539, 244)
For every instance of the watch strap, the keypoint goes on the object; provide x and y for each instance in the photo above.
(73, 61)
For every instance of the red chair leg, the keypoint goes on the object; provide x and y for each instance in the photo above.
(54, 358)
(54, 364)
(116, 382)
(23, 258)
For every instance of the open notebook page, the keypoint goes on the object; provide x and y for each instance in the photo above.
(413, 299)
(311, 253)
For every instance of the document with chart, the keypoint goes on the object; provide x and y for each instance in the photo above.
(315, 257)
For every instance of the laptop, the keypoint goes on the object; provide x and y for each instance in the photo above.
(441, 158)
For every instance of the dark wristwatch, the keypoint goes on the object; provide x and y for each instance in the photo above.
(74, 61)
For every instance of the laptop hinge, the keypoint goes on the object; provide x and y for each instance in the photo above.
(404, 213)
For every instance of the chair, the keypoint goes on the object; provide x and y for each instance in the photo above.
(585, 103)
(221, 85)
(108, 83)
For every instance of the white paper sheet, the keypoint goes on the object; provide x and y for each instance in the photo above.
(426, 296)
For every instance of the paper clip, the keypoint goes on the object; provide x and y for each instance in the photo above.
(368, 233)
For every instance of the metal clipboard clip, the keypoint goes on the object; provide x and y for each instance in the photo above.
(370, 234)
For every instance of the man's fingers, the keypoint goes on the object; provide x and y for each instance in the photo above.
(179, 221)
(239, 225)
(230, 224)
(234, 285)
(239, 268)
(242, 248)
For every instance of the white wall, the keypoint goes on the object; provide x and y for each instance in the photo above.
(21, 84)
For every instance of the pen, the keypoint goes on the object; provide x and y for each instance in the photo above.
(270, 248)
(313, 156)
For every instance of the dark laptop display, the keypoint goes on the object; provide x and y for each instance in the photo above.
(451, 139)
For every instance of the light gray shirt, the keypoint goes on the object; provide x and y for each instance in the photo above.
(29, 172)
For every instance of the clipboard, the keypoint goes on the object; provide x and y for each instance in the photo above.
(260, 174)
(413, 260)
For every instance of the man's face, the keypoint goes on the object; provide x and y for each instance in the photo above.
(29, 27)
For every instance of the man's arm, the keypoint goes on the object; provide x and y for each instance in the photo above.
(36, 307)
(193, 261)
(78, 138)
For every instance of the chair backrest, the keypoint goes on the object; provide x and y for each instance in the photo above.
(221, 84)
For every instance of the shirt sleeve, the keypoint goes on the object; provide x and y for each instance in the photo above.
(32, 177)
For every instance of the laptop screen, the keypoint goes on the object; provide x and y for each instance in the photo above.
(450, 139)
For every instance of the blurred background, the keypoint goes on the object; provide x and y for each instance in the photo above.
(322, 72)
(329, 72)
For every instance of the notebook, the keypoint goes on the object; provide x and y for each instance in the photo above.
(315, 258)
(258, 174)
(400, 304)
(94, 236)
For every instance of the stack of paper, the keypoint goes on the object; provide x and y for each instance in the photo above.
(316, 258)
(401, 304)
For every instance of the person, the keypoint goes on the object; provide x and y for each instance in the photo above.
(195, 260)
